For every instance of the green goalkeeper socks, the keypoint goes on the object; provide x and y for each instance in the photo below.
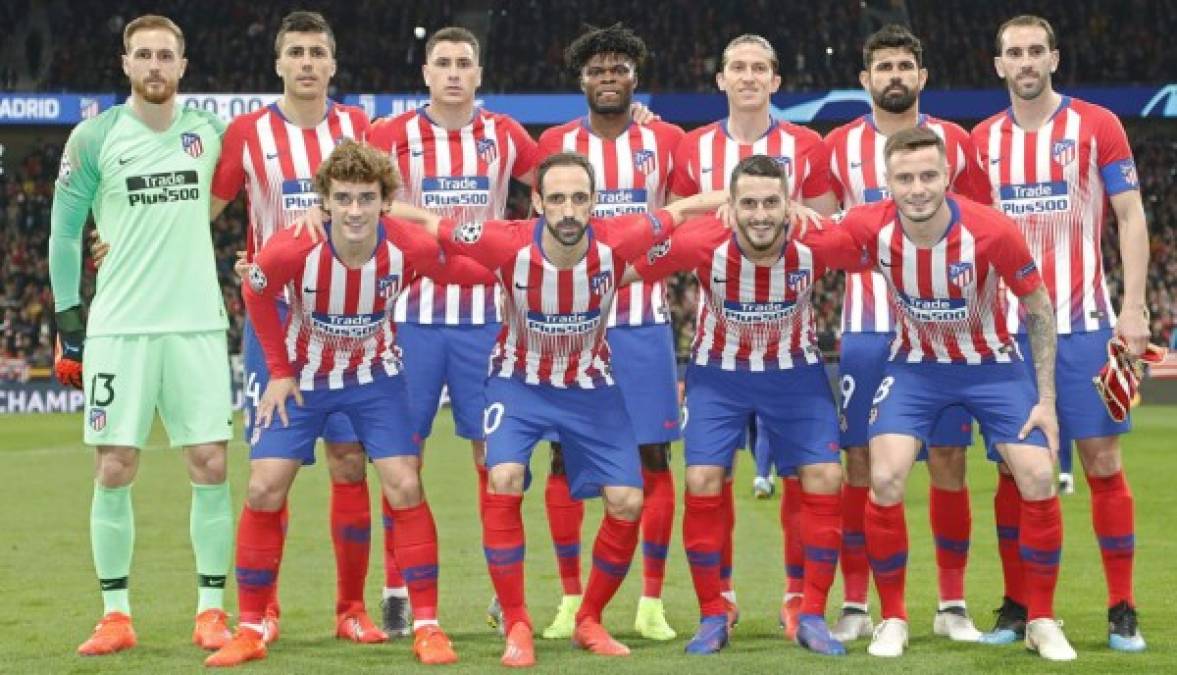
(112, 540)
(211, 526)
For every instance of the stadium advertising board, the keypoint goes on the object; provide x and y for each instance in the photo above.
(835, 105)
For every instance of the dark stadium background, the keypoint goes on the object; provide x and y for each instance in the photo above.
(64, 47)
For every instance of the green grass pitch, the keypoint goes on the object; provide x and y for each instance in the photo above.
(51, 599)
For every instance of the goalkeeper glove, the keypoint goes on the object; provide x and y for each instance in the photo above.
(67, 353)
(1119, 379)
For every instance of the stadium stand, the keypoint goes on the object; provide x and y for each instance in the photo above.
(524, 51)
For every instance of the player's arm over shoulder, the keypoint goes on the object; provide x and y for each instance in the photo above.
(278, 261)
(689, 246)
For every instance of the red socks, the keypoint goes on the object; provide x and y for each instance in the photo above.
(260, 537)
(416, 549)
(952, 524)
(703, 537)
(612, 553)
(791, 525)
(1007, 511)
(503, 545)
(1040, 541)
(886, 550)
(821, 534)
(565, 517)
(657, 524)
(351, 534)
(1112, 516)
(392, 571)
(729, 533)
(855, 570)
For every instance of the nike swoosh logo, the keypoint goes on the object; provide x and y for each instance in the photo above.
(855, 165)
(717, 280)
(308, 289)
(125, 160)
(705, 170)
(885, 263)
(416, 153)
(995, 161)
(271, 155)
(523, 288)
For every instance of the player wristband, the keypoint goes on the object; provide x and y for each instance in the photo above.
(71, 327)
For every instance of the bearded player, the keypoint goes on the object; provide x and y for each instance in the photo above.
(704, 160)
(550, 374)
(755, 354)
(894, 75)
(632, 164)
(144, 168)
(1052, 160)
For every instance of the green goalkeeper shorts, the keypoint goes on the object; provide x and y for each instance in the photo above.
(184, 375)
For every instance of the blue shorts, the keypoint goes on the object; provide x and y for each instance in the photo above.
(860, 369)
(998, 395)
(645, 371)
(592, 425)
(452, 356)
(338, 428)
(1081, 412)
(794, 409)
(378, 411)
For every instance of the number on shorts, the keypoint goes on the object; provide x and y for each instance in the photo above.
(884, 389)
(492, 417)
(253, 391)
(847, 386)
(107, 390)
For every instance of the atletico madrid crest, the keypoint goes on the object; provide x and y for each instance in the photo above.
(97, 419)
(960, 274)
(601, 282)
(798, 280)
(192, 144)
(645, 161)
(488, 151)
(1063, 152)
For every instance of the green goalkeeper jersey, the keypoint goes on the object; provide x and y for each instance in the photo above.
(150, 194)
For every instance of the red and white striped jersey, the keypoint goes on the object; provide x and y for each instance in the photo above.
(706, 157)
(632, 176)
(339, 331)
(275, 161)
(553, 331)
(859, 177)
(751, 317)
(1054, 183)
(462, 174)
(949, 300)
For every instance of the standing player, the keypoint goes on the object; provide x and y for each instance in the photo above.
(1052, 160)
(632, 163)
(944, 260)
(273, 154)
(456, 161)
(550, 372)
(156, 332)
(705, 159)
(336, 354)
(755, 353)
(893, 75)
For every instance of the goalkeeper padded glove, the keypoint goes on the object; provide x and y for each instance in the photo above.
(1119, 379)
(67, 353)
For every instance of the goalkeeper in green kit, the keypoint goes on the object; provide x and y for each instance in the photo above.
(155, 338)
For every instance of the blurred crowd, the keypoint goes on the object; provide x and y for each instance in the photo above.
(818, 43)
(26, 303)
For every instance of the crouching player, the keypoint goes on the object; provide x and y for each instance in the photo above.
(755, 353)
(943, 258)
(550, 372)
(338, 353)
